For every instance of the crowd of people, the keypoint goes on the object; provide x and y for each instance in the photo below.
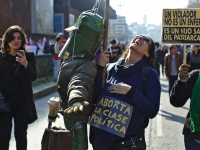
(80, 87)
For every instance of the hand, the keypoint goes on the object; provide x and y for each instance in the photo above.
(76, 106)
(167, 77)
(103, 58)
(183, 71)
(22, 60)
(119, 88)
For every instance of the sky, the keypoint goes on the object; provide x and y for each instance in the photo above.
(134, 10)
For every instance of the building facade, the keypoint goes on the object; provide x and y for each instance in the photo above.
(118, 29)
(47, 18)
(190, 2)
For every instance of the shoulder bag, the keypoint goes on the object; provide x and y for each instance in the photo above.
(4, 104)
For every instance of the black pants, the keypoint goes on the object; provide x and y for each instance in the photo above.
(191, 144)
(20, 130)
(162, 65)
(172, 79)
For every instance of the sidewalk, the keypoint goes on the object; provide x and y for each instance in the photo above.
(44, 89)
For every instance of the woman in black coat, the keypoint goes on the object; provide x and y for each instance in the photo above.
(16, 89)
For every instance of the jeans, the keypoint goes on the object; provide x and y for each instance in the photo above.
(56, 68)
(191, 144)
(172, 79)
(20, 130)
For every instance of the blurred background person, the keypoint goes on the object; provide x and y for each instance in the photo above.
(56, 59)
(193, 57)
(114, 51)
(173, 60)
(180, 50)
(163, 52)
(157, 63)
(46, 48)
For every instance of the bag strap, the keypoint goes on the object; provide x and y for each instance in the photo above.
(110, 67)
(145, 74)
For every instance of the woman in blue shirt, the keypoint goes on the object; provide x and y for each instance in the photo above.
(124, 83)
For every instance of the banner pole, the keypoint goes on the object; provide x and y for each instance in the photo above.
(105, 41)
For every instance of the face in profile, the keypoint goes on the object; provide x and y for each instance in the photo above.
(16, 42)
(140, 44)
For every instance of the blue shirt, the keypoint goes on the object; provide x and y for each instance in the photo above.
(143, 106)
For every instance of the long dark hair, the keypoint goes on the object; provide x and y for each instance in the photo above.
(8, 37)
(151, 59)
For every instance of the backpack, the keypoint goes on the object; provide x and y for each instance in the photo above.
(145, 74)
(51, 49)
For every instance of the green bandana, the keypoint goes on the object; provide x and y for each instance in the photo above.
(195, 107)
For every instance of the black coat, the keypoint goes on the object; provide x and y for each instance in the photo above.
(23, 101)
(180, 94)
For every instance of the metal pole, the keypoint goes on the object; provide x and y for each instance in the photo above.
(105, 41)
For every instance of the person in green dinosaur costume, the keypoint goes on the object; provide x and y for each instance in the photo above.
(77, 74)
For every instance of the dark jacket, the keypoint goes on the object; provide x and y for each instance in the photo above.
(181, 92)
(143, 106)
(193, 60)
(75, 84)
(23, 101)
(168, 61)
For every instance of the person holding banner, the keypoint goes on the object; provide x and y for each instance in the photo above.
(123, 103)
(185, 88)
(172, 62)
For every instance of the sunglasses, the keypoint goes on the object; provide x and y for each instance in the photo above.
(144, 38)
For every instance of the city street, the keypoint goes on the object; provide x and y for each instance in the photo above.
(163, 133)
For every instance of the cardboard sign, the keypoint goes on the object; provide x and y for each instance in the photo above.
(111, 115)
(181, 26)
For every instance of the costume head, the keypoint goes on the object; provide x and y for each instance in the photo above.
(86, 35)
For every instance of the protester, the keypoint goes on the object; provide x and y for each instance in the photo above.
(158, 56)
(172, 62)
(187, 88)
(63, 41)
(76, 76)
(115, 51)
(163, 52)
(46, 48)
(16, 89)
(180, 50)
(124, 83)
(193, 58)
(56, 59)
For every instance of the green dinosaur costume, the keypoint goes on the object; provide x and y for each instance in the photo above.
(77, 73)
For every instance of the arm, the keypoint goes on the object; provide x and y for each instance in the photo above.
(149, 105)
(56, 48)
(98, 83)
(31, 71)
(81, 83)
(166, 66)
(181, 91)
(102, 61)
